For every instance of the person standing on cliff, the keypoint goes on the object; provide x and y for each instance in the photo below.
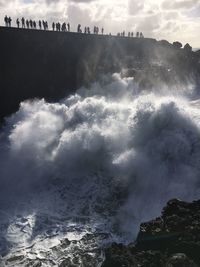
(27, 24)
(31, 23)
(40, 24)
(79, 28)
(68, 27)
(9, 21)
(6, 21)
(53, 26)
(17, 22)
(23, 22)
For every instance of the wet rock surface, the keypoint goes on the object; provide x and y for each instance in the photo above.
(171, 240)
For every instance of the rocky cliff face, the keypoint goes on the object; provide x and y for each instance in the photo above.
(52, 65)
(171, 240)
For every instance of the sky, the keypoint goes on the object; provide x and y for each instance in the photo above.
(172, 20)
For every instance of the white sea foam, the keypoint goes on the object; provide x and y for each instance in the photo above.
(105, 158)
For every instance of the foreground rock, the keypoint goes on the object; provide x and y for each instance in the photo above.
(171, 240)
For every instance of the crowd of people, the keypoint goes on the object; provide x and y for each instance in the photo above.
(64, 27)
(131, 34)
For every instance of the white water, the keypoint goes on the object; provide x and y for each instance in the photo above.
(99, 162)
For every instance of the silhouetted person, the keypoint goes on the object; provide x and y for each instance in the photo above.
(58, 26)
(34, 24)
(31, 23)
(85, 30)
(137, 34)
(132, 34)
(79, 28)
(102, 31)
(17, 22)
(88, 30)
(53, 26)
(68, 27)
(46, 26)
(9, 21)
(97, 30)
(6, 21)
(64, 27)
(27, 24)
(40, 24)
(23, 22)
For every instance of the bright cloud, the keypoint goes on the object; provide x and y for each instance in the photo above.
(164, 19)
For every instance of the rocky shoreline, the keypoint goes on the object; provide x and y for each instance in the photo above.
(171, 240)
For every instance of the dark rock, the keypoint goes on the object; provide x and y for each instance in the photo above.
(180, 260)
(172, 240)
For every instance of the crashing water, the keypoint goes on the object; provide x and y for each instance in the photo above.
(82, 173)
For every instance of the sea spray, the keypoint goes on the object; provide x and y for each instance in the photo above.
(100, 161)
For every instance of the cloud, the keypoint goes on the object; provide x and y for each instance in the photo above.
(179, 4)
(135, 7)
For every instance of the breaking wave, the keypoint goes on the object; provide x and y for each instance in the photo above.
(98, 162)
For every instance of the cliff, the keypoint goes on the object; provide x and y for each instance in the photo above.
(52, 65)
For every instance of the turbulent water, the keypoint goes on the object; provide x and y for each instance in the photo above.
(84, 172)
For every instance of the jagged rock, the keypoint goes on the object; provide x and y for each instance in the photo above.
(171, 240)
(180, 260)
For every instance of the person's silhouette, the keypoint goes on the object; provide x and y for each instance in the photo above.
(31, 23)
(102, 31)
(6, 21)
(40, 24)
(34, 24)
(53, 26)
(17, 22)
(64, 27)
(68, 27)
(23, 22)
(59, 26)
(79, 28)
(9, 21)
(27, 24)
